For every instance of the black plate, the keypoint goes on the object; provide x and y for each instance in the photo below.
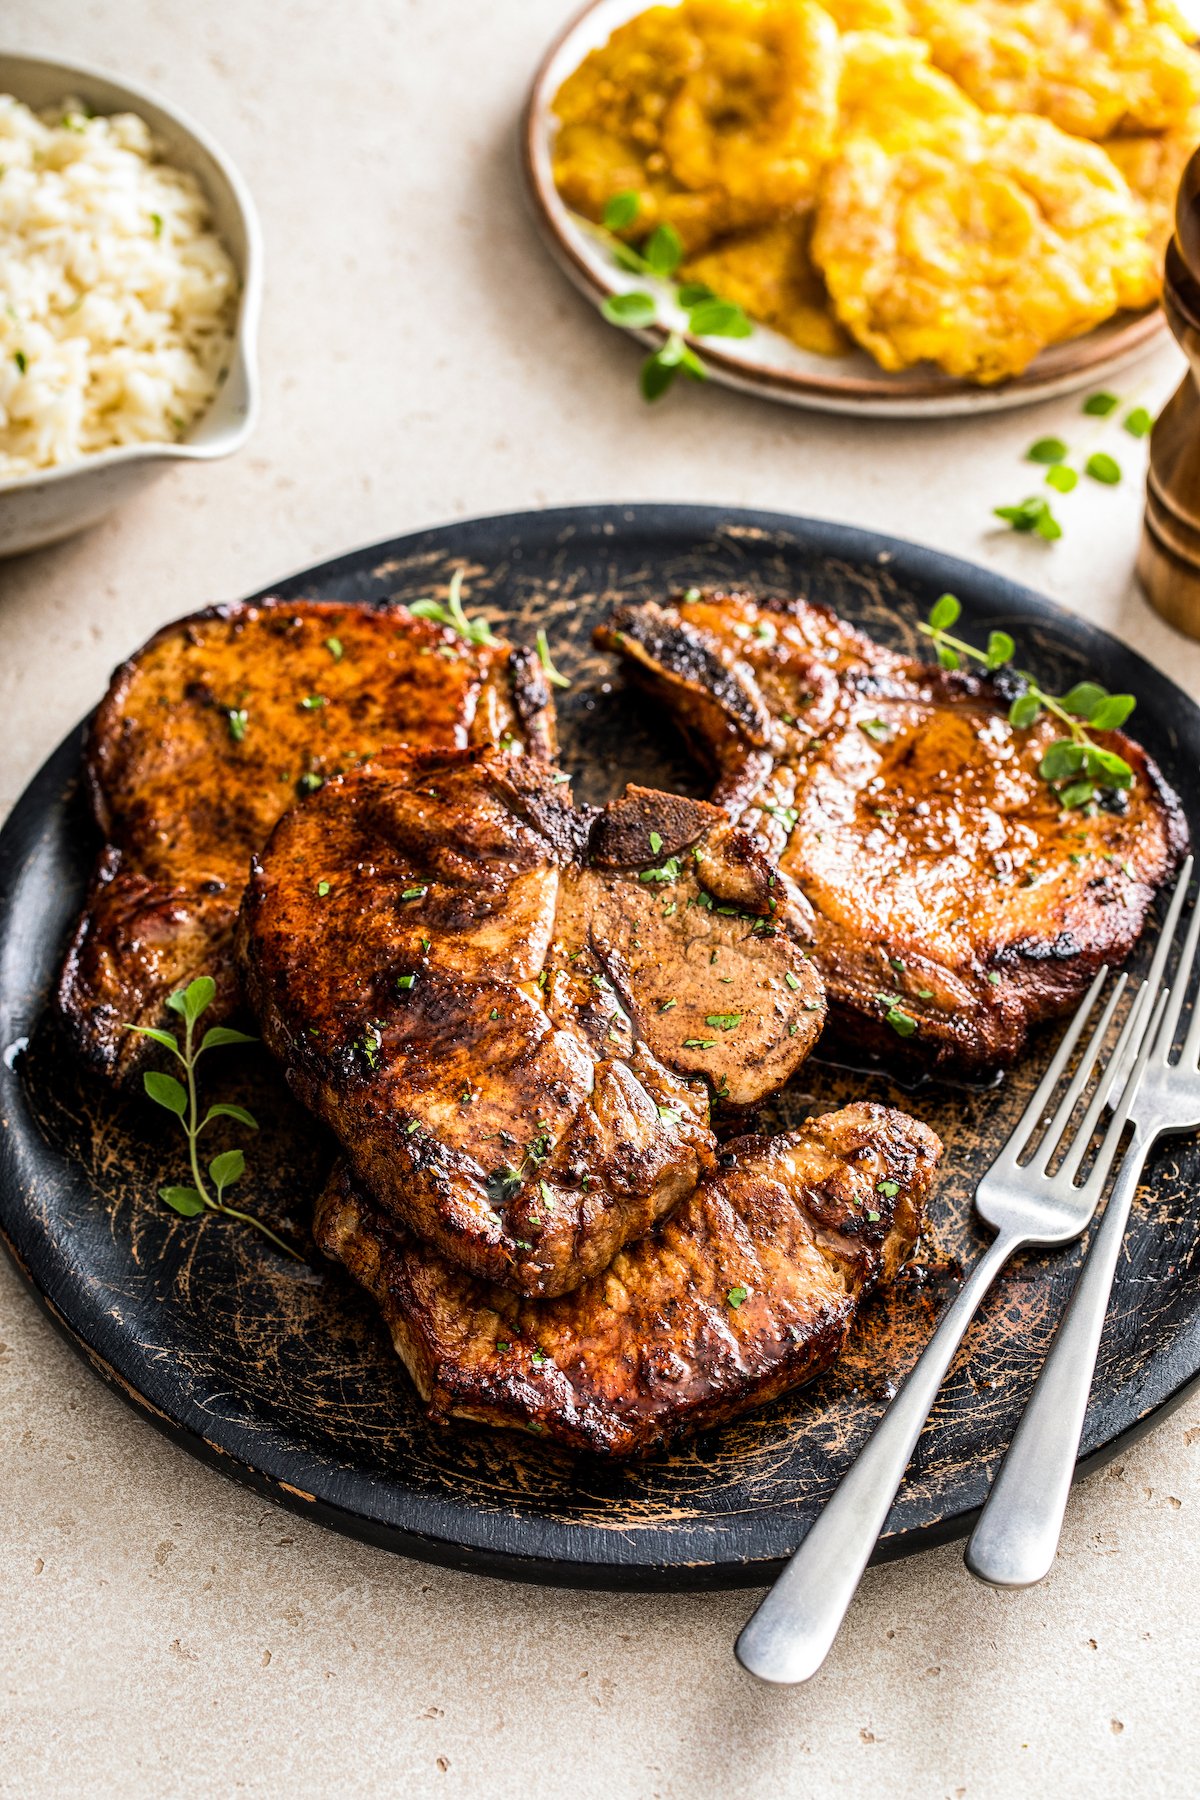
(278, 1374)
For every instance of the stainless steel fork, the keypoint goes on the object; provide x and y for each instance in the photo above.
(791, 1633)
(1016, 1535)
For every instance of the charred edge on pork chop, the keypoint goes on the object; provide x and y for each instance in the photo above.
(211, 731)
(503, 1005)
(956, 903)
(747, 1289)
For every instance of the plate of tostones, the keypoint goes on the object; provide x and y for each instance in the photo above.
(898, 207)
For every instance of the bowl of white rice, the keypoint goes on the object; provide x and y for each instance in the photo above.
(130, 273)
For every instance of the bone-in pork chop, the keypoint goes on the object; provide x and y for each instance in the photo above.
(747, 1289)
(957, 903)
(214, 729)
(503, 1005)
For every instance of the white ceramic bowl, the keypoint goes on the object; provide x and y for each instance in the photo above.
(45, 505)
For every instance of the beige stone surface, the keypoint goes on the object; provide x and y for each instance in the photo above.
(164, 1632)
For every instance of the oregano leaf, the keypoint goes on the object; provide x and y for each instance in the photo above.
(217, 1035)
(184, 1200)
(228, 1167)
(165, 1091)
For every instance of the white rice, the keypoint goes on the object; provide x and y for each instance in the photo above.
(117, 299)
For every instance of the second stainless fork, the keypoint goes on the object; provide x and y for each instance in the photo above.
(1016, 1534)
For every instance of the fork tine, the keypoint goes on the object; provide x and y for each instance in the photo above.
(1083, 1074)
(1122, 1063)
(1108, 1145)
(1190, 1052)
(1030, 1119)
(1132, 1033)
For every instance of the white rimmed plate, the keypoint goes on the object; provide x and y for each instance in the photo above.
(767, 363)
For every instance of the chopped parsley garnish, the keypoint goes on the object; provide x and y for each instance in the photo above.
(237, 719)
(878, 730)
(1098, 406)
(666, 1006)
(737, 1296)
(309, 783)
(873, 1216)
(1138, 423)
(502, 1347)
(791, 979)
(698, 1043)
(311, 702)
(405, 982)
(334, 647)
(655, 843)
(669, 1116)
(890, 1188)
(322, 889)
(414, 893)
(156, 219)
(724, 1021)
(538, 1358)
(669, 871)
(902, 1023)
(21, 360)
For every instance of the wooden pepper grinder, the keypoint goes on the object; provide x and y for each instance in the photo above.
(1168, 562)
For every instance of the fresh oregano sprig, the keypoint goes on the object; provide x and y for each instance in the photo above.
(182, 1099)
(1052, 453)
(1077, 768)
(452, 615)
(659, 256)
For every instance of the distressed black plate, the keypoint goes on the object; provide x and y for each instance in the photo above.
(278, 1374)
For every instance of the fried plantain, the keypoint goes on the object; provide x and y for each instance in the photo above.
(980, 250)
(770, 273)
(717, 113)
(1092, 67)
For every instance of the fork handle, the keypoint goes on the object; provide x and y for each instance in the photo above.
(1016, 1535)
(790, 1634)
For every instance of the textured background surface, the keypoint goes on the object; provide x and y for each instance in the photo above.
(167, 1633)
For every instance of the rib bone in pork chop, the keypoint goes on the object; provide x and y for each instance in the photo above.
(503, 1004)
(956, 902)
(747, 1289)
(212, 731)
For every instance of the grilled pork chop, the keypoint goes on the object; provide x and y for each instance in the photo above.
(956, 903)
(210, 732)
(749, 1288)
(502, 1004)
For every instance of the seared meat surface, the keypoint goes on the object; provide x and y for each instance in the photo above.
(747, 1289)
(503, 1004)
(214, 729)
(955, 902)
